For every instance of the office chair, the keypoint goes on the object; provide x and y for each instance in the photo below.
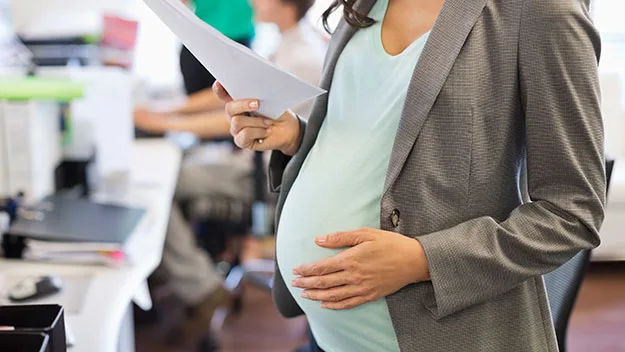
(221, 221)
(563, 285)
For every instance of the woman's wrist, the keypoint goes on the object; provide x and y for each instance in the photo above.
(293, 146)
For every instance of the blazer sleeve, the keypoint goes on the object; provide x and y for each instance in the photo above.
(279, 161)
(478, 260)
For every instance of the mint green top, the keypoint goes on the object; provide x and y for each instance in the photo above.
(36, 88)
(233, 18)
(340, 185)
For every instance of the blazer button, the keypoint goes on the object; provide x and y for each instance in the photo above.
(395, 218)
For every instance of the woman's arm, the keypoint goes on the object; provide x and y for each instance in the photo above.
(205, 125)
(204, 100)
(483, 258)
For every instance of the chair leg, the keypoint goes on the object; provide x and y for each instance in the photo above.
(208, 343)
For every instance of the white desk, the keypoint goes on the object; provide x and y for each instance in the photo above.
(104, 313)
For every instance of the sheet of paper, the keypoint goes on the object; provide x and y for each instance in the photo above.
(243, 73)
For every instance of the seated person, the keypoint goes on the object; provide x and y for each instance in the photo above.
(188, 269)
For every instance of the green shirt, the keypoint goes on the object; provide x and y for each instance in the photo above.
(233, 18)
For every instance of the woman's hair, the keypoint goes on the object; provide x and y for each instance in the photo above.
(351, 16)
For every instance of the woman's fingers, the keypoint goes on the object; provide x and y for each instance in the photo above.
(326, 281)
(248, 138)
(221, 92)
(335, 294)
(349, 303)
(239, 122)
(241, 107)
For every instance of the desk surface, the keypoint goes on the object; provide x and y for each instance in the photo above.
(151, 185)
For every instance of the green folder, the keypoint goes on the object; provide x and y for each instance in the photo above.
(37, 88)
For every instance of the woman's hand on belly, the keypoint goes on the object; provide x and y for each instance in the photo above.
(379, 263)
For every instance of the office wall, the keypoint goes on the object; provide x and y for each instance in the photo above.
(25, 11)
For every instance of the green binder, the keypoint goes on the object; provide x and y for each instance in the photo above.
(37, 88)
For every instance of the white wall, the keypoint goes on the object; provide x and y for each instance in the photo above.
(25, 11)
(609, 18)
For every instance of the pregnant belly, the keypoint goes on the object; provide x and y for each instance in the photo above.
(307, 215)
(365, 328)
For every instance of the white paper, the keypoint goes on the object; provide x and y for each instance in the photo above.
(244, 74)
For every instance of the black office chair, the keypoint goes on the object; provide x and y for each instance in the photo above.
(563, 285)
(221, 224)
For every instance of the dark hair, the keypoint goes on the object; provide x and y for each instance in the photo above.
(351, 16)
(302, 6)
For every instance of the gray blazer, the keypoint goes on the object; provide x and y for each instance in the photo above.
(500, 85)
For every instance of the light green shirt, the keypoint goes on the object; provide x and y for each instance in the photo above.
(233, 18)
(340, 185)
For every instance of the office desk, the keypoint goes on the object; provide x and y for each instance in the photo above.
(104, 323)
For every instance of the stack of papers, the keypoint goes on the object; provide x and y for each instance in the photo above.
(75, 252)
(244, 74)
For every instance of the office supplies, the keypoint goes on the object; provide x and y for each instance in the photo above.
(97, 297)
(24, 341)
(119, 40)
(107, 107)
(74, 253)
(79, 221)
(36, 319)
(30, 133)
(32, 148)
(33, 288)
(243, 73)
(75, 288)
(37, 88)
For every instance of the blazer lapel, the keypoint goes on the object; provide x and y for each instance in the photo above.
(447, 38)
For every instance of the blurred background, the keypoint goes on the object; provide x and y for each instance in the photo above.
(110, 74)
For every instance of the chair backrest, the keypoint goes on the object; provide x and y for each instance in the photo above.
(563, 285)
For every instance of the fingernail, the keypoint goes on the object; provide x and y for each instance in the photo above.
(267, 122)
(322, 239)
(323, 305)
(304, 294)
(254, 105)
(294, 283)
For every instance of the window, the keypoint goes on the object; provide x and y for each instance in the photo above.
(609, 17)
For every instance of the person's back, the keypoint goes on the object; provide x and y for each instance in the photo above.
(301, 53)
(302, 49)
(233, 18)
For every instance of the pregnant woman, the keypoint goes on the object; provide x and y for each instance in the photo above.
(405, 222)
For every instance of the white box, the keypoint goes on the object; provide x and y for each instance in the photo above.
(3, 153)
(107, 106)
(31, 140)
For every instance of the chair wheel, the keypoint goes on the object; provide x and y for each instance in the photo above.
(237, 305)
(208, 344)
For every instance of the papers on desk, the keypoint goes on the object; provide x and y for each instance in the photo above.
(109, 254)
(244, 74)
